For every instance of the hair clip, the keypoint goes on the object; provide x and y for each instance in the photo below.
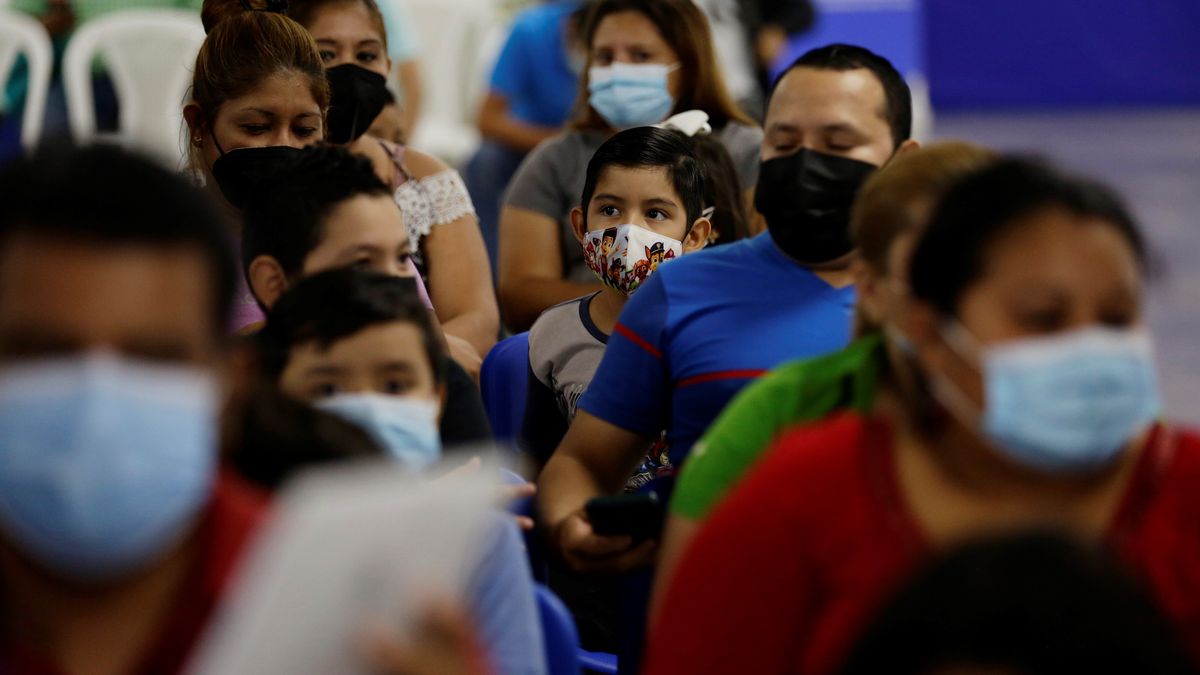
(273, 6)
(708, 212)
(688, 123)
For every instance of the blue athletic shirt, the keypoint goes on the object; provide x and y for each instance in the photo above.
(702, 327)
(533, 72)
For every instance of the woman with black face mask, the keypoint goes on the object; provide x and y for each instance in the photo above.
(450, 254)
(251, 114)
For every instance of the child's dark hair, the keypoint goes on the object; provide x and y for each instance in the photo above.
(337, 304)
(647, 148)
(285, 218)
(724, 194)
(1035, 603)
(952, 253)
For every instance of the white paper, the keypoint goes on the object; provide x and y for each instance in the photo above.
(346, 548)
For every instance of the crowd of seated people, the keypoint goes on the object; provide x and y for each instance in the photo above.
(805, 397)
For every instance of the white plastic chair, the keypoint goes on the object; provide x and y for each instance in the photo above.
(21, 34)
(454, 35)
(149, 54)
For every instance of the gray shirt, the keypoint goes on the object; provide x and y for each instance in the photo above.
(550, 181)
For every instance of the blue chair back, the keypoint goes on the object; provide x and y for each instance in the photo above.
(558, 631)
(503, 379)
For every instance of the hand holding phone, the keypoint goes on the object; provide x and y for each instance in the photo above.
(639, 515)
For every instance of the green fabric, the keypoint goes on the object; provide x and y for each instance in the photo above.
(86, 10)
(797, 392)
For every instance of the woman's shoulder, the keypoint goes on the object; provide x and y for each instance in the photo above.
(823, 457)
(423, 165)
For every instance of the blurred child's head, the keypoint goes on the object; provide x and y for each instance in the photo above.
(326, 210)
(361, 345)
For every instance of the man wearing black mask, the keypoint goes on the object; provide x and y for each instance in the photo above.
(703, 327)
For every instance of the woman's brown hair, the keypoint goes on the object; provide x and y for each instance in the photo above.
(893, 200)
(245, 47)
(897, 200)
(305, 13)
(684, 27)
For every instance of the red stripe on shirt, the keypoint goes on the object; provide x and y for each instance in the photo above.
(637, 340)
(721, 375)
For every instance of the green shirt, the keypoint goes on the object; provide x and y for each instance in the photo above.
(797, 392)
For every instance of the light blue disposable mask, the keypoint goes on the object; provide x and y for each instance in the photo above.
(104, 461)
(407, 428)
(1067, 403)
(631, 95)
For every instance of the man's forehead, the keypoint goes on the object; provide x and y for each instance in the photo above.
(805, 95)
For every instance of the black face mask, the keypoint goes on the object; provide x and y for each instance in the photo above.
(243, 172)
(356, 95)
(806, 199)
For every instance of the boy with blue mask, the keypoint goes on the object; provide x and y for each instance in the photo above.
(115, 522)
(361, 346)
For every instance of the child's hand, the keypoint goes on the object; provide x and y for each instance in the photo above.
(588, 552)
(444, 644)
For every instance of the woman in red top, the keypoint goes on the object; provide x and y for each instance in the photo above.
(1027, 399)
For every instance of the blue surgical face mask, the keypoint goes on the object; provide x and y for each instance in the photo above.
(104, 461)
(631, 95)
(406, 427)
(1067, 403)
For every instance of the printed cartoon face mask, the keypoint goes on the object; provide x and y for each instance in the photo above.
(624, 256)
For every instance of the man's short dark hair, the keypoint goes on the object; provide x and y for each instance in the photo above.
(333, 305)
(648, 148)
(285, 219)
(109, 197)
(841, 57)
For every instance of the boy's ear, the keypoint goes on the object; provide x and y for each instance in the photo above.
(577, 224)
(267, 280)
(697, 237)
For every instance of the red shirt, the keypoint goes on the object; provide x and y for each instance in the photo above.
(233, 515)
(788, 570)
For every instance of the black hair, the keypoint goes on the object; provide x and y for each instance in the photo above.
(335, 304)
(1037, 603)
(651, 147)
(285, 218)
(842, 57)
(110, 197)
(951, 254)
(724, 195)
(278, 436)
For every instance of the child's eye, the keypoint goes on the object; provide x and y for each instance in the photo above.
(657, 214)
(403, 258)
(324, 390)
(367, 57)
(396, 387)
(610, 211)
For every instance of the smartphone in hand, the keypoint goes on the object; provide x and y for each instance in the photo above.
(639, 515)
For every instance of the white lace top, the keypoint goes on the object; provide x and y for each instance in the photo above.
(433, 200)
(425, 202)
